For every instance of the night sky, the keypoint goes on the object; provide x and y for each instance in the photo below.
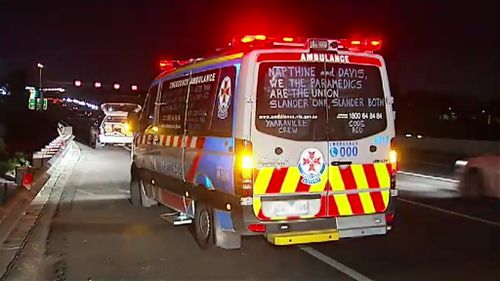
(436, 47)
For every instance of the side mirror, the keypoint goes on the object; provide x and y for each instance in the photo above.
(133, 121)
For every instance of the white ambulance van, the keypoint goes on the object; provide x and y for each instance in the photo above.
(289, 138)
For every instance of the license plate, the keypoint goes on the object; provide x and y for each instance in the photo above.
(291, 208)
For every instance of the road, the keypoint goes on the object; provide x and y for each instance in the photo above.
(97, 235)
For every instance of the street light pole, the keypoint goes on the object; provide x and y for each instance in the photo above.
(40, 66)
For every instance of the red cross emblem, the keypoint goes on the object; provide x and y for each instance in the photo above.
(311, 162)
(225, 92)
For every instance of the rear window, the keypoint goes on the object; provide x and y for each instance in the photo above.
(292, 101)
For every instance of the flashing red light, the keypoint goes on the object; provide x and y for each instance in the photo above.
(167, 65)
(163, 64)
(362, 45)
(134, 87)
(287, 39)
(257, 227)
(247, 39)
(78, 83)
(260, 37)
(116, 86)
(97, 84)
(251, 38)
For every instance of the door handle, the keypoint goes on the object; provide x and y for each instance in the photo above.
(340, 163)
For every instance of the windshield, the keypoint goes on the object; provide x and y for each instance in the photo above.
(292, 101)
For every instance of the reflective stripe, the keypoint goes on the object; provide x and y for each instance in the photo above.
(320, 186)
(262, 180)
(385, 197)
(338, 185)
(362, 184)
(383, 176)
(291, 179)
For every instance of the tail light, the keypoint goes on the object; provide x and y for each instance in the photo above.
(389, 220)
(257, 227)
(393, 156)
(244, 168)
(393, 159)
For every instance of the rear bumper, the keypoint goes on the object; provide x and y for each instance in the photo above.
(115, 139)
(349, 226)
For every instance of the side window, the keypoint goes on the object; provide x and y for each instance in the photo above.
(222, 117)
(148, 111)
(201, 102)
(173, 105)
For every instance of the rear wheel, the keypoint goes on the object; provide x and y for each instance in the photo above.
(135, 192)
(204, 226)
(95, 142)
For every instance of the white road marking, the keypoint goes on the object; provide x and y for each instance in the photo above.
(86, 192)
(335, 264)
(428, 177)
(450, 212)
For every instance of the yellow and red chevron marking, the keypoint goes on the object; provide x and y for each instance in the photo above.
(170, 141)
(354, 190)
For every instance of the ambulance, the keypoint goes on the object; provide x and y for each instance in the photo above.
(288, 138)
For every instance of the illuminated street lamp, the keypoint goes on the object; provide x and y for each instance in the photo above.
(77, 83)
(116, 86)
(134, 88)
(97, 84)
(40, 67)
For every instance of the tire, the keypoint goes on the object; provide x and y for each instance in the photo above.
(204, 226)
(473, 184)
(135, 192)
(92, 140)
(95, 143)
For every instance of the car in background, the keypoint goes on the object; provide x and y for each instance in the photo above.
(480, 176)
(111, 128)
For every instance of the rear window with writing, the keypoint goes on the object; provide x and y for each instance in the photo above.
(316, 101)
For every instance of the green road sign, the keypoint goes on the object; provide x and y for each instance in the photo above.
(41, 104)
(32, 104)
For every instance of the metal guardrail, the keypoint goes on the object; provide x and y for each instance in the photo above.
(30, 180)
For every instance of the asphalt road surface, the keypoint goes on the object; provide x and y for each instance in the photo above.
(97, 235)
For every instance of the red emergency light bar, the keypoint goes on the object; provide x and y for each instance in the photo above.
(361, 45)
(249, 42)
(171, 65)
(353, 45)
(264, 39)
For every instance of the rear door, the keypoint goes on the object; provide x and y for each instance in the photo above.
(321, 137)
(358, 137)
(289, 140)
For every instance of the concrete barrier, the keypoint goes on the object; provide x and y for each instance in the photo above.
(467, 148)
(43, 162)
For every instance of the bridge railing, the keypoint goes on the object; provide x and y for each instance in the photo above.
(30, 180)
